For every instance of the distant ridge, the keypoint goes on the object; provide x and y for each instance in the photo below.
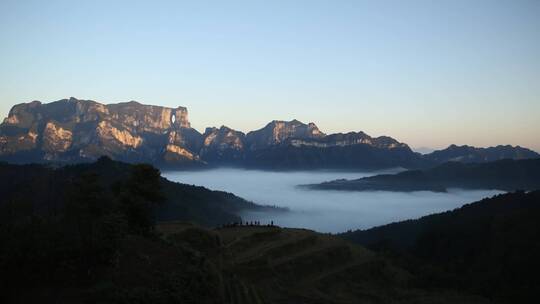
(470, 154)
(504, 175)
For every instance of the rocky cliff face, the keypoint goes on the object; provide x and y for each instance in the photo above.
(348, 139)
(223, 145)
(277, 132)
(75, 130)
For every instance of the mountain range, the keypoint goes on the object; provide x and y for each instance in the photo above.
(73, 130)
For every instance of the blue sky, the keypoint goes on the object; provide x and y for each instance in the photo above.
(429, 73)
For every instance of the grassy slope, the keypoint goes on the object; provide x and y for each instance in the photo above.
(275, 265)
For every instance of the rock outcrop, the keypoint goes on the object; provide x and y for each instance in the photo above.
(349, 139)
(56, 139)
(79, 130)
(223, 145)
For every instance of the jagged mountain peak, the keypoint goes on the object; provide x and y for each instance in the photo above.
(280, 131)
(221, 129)
(293, 122)
(209, 130)
(223, 144)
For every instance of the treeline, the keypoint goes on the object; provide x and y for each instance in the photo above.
(66, 240)
(45, 189)
(86, 234)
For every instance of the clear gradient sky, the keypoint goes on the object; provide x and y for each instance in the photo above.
(429, 73)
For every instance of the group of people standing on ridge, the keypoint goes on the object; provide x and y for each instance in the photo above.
(248, 224)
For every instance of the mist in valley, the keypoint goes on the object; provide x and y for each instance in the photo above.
(322, 210)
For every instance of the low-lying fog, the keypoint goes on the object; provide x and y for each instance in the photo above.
(323, 211)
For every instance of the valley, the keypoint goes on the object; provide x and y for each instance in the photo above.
(321, 210)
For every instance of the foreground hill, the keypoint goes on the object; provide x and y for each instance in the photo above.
(45, 190)
(183, 263)
(506, 175)
(278, 265)
(490, 247)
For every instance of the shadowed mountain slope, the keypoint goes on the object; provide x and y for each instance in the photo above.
(45, 190)
(507, 175)
(468, 154)
(490, 247)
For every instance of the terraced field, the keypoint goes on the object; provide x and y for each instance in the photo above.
(261, 264)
